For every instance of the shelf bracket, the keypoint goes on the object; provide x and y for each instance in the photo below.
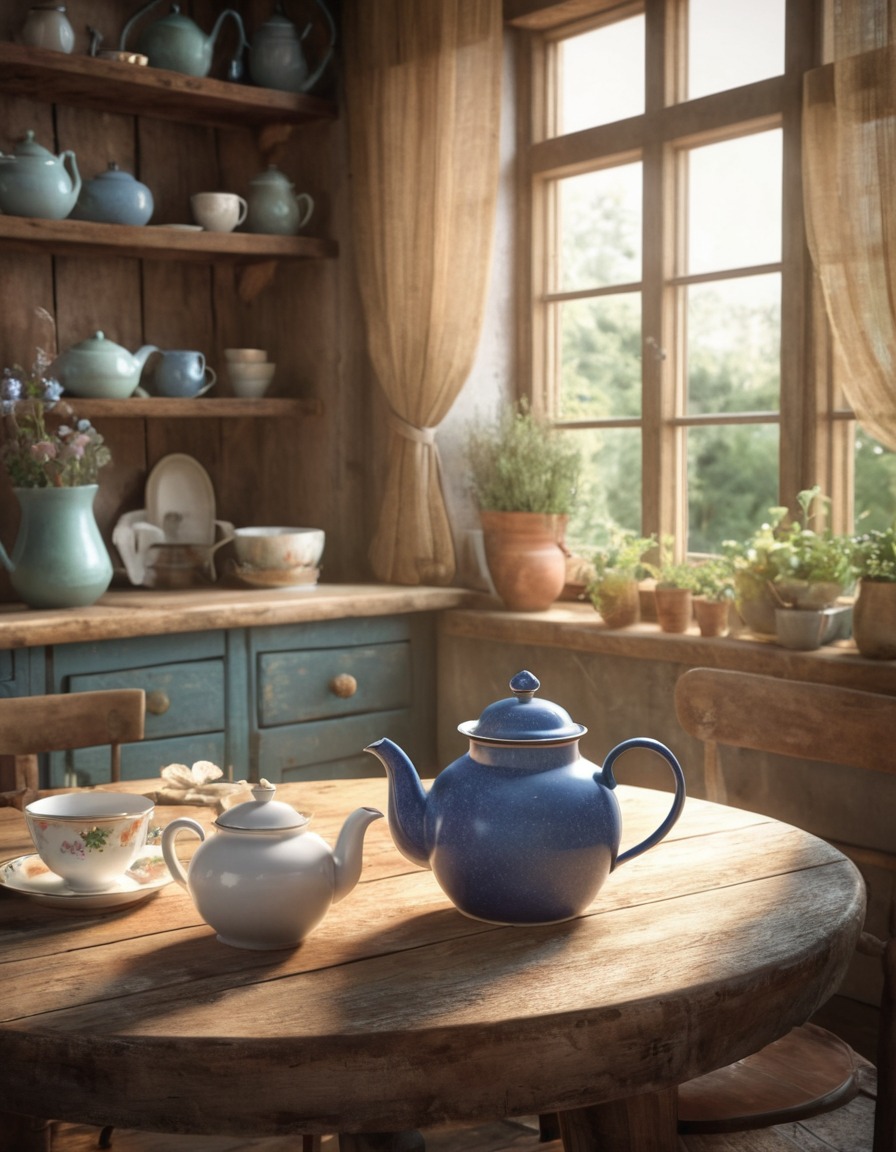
(254, 278)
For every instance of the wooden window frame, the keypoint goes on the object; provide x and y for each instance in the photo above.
(813, 433)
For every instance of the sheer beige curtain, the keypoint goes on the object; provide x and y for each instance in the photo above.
(849, 181)
(423, 90)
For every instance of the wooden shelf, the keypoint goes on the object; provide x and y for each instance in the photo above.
(80, 238)
(220, 408)
(155, 92)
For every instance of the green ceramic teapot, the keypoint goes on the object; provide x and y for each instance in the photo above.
(177, 43)
(34, 182)
(99, 369)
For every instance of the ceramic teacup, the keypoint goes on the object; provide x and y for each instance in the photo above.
(251, 379)
(89, 838)
(182, 373)
(218, 211)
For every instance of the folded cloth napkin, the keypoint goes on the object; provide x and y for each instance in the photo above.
(200, 784)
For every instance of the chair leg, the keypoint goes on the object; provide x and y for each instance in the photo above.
(105, 1137)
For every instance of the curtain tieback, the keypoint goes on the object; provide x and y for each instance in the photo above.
(411, 431)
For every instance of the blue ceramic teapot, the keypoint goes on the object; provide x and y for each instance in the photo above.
(521, 829)
(177, 43)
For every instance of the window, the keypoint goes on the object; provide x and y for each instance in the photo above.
(671, 288)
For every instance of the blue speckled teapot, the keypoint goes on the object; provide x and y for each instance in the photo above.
(521, 829)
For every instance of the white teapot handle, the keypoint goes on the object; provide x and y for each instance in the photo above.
(182, 824)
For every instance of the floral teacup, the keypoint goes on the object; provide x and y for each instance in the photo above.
(89, 838)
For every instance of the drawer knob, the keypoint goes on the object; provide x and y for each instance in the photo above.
(157, 703)
(343, 685)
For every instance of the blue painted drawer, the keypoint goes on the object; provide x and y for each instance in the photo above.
(185, 681)
(294, 687)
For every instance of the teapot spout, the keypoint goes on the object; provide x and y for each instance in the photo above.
(347, 854)
(144, 354)
(407, 801)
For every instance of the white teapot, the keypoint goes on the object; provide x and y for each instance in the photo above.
(263, 881)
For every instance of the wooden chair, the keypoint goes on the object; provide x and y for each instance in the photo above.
(33, 725)
(809, 1072)
(37, 724)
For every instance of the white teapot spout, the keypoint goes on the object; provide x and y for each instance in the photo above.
(347, 855)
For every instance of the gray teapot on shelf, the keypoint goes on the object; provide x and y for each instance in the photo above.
(177, 43)
(274, 206)
(34, 182)
(277, 59)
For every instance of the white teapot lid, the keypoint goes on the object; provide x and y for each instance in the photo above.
(263, 814)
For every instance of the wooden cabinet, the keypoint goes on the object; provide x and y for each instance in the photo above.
(302, 445)
(287, 703)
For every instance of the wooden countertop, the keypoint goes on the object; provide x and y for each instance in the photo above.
(140, 612)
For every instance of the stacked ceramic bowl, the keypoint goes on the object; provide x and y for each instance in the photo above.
(278, 557)
(249, 370)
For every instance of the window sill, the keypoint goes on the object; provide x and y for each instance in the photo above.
(577, 627)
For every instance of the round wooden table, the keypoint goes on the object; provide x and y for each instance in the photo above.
(398, 1012)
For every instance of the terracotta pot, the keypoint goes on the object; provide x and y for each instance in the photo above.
(618, 600)
(874, 620)
(525, 558)
(674, 609)
(712, 616)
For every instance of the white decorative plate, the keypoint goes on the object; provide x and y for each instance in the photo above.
(179, 227)
(180, 500)
(29, 876)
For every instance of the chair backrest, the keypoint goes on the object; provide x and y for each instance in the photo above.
(787, 717)
(810, 722)
(35, 724)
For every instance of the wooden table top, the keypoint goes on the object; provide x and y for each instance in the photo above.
(399, 1012)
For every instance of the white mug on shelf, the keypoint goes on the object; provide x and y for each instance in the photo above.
(218, 211)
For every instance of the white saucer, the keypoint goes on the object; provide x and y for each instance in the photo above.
(29, 876)
(180, 500)
(179, 227)
(287, 579)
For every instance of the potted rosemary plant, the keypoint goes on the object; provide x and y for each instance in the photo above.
(523, 475)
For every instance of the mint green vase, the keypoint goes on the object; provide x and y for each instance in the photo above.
(59, 559)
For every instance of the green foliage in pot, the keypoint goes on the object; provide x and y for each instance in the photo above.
(618, 566)
(874, 555)
(801, 553)
(787, 561)
(522, 464)
(714, 578)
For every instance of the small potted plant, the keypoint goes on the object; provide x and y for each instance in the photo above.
(812, 568)
(675, 586)
(618, 567)
(52, 460)
(789, 565)
(523, 475)
(874, 612)
(713, 595)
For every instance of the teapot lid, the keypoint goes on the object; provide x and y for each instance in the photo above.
(28, 146)
(115, 172)
(272, 175)
(98, 343)
(523, 719)
(263, 814)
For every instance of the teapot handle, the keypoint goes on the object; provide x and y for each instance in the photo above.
(605, 776)
(182, 824)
